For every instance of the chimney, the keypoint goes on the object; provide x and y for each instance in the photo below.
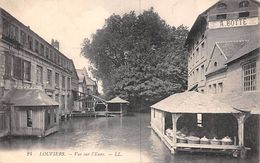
(55, 44)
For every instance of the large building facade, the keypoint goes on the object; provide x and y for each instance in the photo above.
(227, 23)
(28, 61)
(224, 58)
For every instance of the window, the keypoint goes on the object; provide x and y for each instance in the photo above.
(27, 70)
(5, 28)
(22, 38)
(202, 45)
(199, 120)
(215, 64)
(57, 98)
(57, 81)
(68, 83)
(63, 81)
(243, 4)
(222, 16)
(8, 65)
(30, 42)
(243, 14)
(249, 76)
(209, 91)
(41, 49)
(13, 33)
(154, 113)
(17, 68)
(36, 46)
(214, 88)
(39, 79)
(48, 117)
(59, 60)
(47, 53)
(56, 58)
(221, 6)
(220, 87)
(29, 118)
(55, 118)
(202, 72)
(197, 75)
(51, 55)
(49, 77)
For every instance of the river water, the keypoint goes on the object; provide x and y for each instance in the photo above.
(120, 139)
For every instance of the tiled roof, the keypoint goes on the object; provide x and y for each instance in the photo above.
(246, 101)
(80, 75)
(83, 73)
(28, 97)
(117, 100)
(249, 47)
(231, 47)
(193, 102)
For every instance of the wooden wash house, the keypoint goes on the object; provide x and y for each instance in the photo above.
(32, 112)
(195, 122)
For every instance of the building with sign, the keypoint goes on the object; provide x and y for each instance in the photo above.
(29, 62)
(226, 21)
(224, 59)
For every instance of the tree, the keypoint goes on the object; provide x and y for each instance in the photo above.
(139, 58)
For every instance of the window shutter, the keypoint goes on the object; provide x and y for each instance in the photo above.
(8, 64)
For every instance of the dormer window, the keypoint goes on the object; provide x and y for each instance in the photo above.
(243, 4)
(221, 6)
(222, 16)
(243, 14)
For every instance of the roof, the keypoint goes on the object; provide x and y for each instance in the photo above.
(193, 102)
(117, 100)
(80, 75)
(249, 47)
(95, 97)
(28, 97)
(229, 48)
(246, 101)
(83, 73)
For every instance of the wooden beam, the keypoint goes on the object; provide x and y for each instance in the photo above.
(175, 118)
(241, 118)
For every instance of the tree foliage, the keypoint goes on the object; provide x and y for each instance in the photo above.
(138, 57)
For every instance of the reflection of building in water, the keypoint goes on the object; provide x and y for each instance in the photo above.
(29, 62)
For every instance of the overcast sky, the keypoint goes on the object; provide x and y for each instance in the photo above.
(70, 21)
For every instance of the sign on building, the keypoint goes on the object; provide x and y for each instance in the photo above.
(233, 23)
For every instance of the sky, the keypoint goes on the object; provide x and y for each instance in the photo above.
(70, 21)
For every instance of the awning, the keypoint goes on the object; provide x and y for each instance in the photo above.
(246, 101)
(28, 97)
(193, 102)
(117, 100)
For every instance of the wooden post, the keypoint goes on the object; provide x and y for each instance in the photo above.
(163, 122)
(241, 118)
(121, 111)
(175, 118)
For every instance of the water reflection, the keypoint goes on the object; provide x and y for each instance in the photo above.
(129, 135)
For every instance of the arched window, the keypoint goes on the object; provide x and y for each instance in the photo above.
(243, 4)
(221, 6)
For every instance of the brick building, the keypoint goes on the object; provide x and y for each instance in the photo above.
(27, 61)
(224, 59)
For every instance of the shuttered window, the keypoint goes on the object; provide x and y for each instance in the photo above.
(8, 65)
(17, 68)
(27, 70)
(39, 76)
